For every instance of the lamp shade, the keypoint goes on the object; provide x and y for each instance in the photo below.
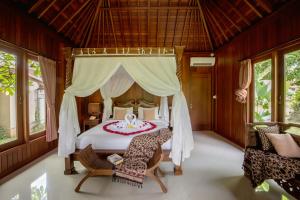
(93, 108)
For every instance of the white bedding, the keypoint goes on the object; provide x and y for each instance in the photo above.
(101, 139)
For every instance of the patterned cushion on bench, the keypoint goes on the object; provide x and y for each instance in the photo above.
(265, 142)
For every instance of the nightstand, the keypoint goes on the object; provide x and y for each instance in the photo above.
(90, 123)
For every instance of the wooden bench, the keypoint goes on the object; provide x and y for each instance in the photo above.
(101, 167)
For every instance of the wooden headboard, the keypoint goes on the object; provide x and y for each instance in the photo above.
(135, 103)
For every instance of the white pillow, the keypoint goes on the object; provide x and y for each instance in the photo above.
(129, 110)
(141, 112)
(284, 145)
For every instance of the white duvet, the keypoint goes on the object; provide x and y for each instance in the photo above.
(103, 140)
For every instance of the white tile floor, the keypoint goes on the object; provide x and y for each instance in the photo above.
(213, 172)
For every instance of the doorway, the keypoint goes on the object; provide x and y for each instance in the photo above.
(200, 104)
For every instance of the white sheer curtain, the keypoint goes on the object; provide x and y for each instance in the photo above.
(156, 75)
(48, 69)
(117, 85)
(164, 109)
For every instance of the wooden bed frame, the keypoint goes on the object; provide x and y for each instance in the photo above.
(69, 161)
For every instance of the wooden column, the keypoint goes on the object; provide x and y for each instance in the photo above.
(179, 71)
(179, 52)
(69, 59)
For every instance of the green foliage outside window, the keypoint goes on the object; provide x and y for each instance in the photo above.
(292, 86)
(7, 73)
(263, 77)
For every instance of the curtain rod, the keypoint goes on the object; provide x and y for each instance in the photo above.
(126, 52)
(126, 55)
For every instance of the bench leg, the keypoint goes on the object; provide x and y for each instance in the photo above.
(81, 182)
(156, 178)
(177, 170)
(162, 173)
(69, 166)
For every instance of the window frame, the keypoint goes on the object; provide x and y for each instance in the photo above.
(252, 86)
(281, 82)
(22, 56)
(26, 105)
(19, 97)
(278, 82)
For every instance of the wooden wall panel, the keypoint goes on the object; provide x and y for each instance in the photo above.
(18, 28)
(280, 27)
(14, 158)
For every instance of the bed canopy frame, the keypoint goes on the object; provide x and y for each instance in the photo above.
(142, 55)
(71, 53)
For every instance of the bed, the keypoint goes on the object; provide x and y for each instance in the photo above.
(101, 139)
(105, 143)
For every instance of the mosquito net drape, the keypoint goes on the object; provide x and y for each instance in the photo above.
(156, 75)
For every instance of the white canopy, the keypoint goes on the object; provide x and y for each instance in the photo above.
(114, 76)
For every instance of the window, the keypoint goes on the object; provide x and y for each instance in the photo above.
(36, 98)
(8, 89)
(262, 90)
(22, 97)
(292, 87)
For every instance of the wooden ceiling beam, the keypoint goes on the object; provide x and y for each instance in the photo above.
(190, 25)
(152, 8)
(193, 29)
(238, 12)
(198, 29)
(103, 27)
(184, 23)
(77, 34)
(99, 28)
(148, 22)
(205, 25)
(253, 8)
(91, 29)
(112, 24)
(220, 22)
(203, 33)
(226, 16)
(174, 30)
(166, 29)
(266, 5)
(121, 27)
(76, 13)
(139, 25)
(130, 25)
(157, 22)
(217, 24)
(214, 30)
(86, 28)
(108, 41)
(46, 9)
(35, 6)
(61, 11)
(83, 15)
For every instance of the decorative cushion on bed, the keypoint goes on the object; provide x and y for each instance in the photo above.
(265, 142)
(120, 112)
(141, 113)
(284, 145)
(149, 114)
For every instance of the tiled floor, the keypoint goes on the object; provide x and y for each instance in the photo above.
(213, 172)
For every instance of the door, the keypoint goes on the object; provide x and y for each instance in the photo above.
(201, 99)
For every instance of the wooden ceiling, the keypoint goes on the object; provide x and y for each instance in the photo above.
(200, 25)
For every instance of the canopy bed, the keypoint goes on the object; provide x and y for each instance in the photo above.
(114, 73)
